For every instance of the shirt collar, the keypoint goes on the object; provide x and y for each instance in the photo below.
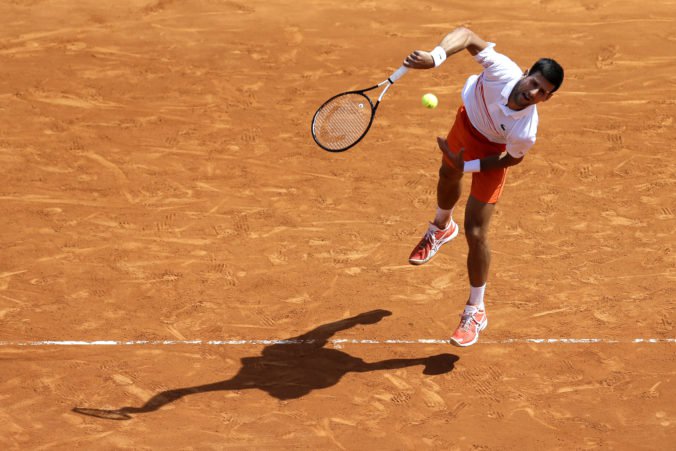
(506, 91)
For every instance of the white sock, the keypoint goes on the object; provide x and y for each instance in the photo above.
(443, 218)
(476, 296)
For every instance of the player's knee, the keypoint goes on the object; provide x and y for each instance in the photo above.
(475, 234)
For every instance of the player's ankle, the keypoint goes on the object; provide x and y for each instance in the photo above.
(476, 297)
(443, 218)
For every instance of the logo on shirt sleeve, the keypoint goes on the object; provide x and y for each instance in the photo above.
(502, 126)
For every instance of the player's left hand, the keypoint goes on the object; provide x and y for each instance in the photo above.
(419, 59)
(456, 159)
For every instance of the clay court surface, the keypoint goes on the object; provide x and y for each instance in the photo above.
(159, 182)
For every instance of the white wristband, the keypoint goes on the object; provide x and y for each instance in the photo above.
(438, 55)
(472, 166)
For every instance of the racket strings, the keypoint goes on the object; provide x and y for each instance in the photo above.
(343, 121)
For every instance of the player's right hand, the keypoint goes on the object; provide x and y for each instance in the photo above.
(456, 159)
(419, 59)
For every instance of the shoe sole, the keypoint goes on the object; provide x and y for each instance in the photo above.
(422, 262)
(476, 338)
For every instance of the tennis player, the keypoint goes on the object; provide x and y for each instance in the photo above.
(493, 130)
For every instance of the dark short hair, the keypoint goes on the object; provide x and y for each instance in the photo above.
(550, 69)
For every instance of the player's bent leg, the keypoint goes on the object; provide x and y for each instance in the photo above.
(449, 186)
(448, 193)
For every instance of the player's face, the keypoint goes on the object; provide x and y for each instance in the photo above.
(531, 89)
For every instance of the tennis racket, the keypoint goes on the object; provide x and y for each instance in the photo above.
(344, 119)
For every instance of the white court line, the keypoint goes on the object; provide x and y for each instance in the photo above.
(335, 342)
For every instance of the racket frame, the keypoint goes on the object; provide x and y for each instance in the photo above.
(390, 81)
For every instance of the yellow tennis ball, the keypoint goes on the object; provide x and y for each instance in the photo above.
(429, 100)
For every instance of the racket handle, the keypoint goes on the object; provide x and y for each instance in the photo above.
(398, 74)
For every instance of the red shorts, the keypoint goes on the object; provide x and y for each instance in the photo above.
(486, 185)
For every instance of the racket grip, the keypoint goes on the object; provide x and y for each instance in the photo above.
(398, 74)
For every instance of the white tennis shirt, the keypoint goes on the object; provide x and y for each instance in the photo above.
(485, 97)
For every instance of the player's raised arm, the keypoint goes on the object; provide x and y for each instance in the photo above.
(459, 39)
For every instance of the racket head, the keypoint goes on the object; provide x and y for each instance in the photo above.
(343, 120)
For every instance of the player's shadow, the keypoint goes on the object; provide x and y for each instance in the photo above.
(291, 369)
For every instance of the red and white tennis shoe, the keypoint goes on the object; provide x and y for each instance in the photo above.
(429, 245)
(472, 321)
